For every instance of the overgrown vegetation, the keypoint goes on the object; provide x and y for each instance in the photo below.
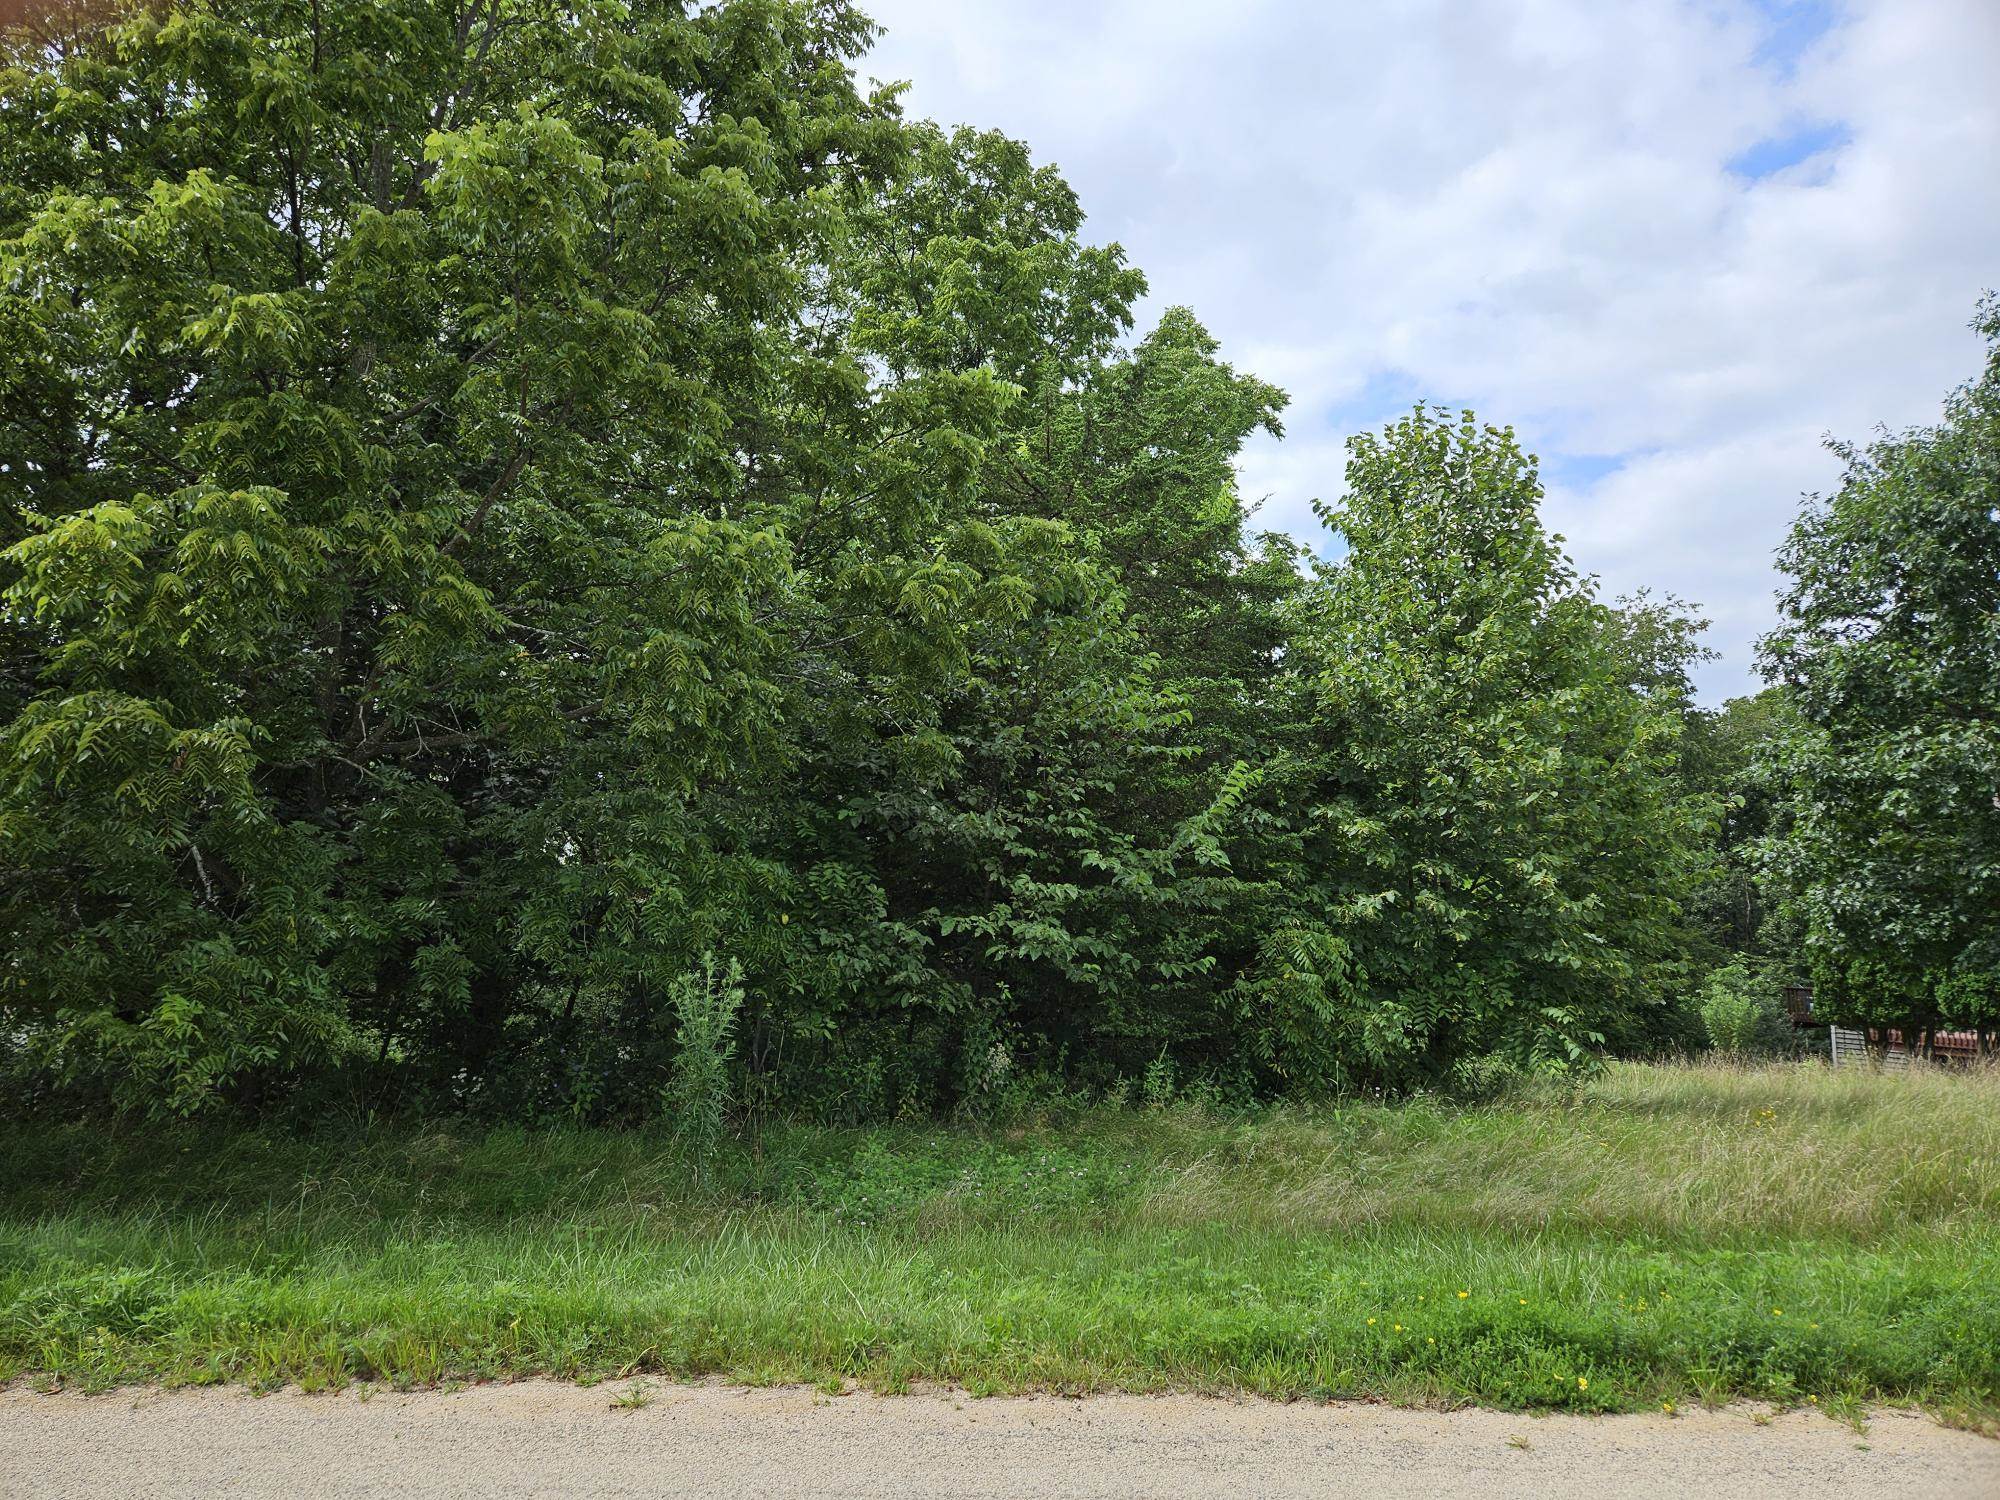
(505, 503)
(1666, 1234)
(563, 564)
(1743, 1018)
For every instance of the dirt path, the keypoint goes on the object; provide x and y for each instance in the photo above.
(539, 1438)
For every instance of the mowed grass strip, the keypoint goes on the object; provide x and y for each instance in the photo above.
(1663, 1235)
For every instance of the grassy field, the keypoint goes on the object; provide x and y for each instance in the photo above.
(1664, 1235)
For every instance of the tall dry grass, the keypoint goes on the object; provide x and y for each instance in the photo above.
(1709, 1148)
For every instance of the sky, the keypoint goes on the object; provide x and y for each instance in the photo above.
(1674, 245)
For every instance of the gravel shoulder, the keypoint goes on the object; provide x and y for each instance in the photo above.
(545, 1438)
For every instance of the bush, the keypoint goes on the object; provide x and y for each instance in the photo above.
(1744, 1016)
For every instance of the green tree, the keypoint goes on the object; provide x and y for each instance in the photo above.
(1887, 845)
(416, 444)
(1042, 870)
(1494, 807)
(1138, 460)
(1728, 754)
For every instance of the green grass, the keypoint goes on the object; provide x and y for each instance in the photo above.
(1663, 1235)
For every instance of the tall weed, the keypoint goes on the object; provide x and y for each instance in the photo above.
(706, 1002)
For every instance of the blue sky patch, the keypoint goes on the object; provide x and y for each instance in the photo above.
(1792, 26)
(1777, 152)
(1386, 396)
(1579, 471)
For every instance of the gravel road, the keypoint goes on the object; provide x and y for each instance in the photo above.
(541, 1438)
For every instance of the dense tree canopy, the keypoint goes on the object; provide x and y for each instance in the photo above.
(1889, 852)
(417, 437)
(538, 537)
(1494, 807)
(1729, 755)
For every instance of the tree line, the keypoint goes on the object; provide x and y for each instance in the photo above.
(566, 560)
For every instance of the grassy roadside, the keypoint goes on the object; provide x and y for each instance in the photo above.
(1666, 1235)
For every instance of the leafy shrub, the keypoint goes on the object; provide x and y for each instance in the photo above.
(1731, 1020)
(1743, 1016)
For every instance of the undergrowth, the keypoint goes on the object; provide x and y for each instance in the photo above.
(1660, 1236)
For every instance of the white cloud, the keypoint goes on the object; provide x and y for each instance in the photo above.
(1527, 206)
